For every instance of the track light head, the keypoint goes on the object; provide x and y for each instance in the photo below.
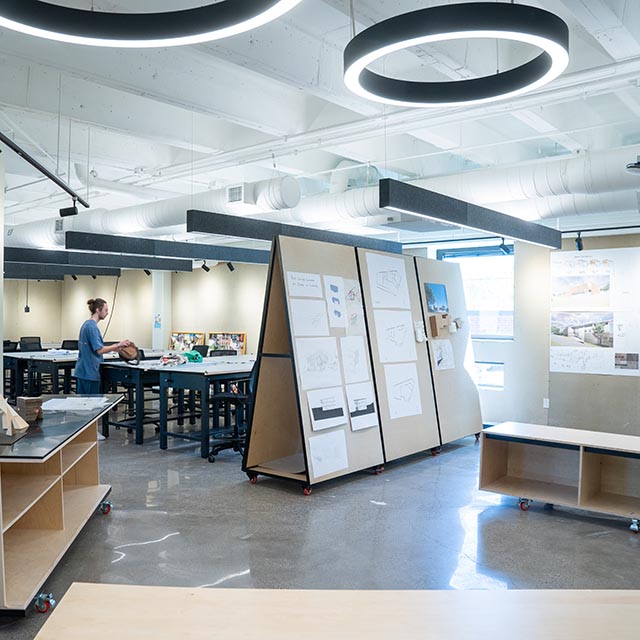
(205, 267)
(94, 277)
(70, 211)
(230, 266)
(147, 271)
(579, 243)
(74, 278)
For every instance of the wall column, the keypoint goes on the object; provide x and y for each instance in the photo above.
(161, 309)
(2, 183)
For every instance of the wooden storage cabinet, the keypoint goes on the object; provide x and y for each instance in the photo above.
(571, 467)
(45, 502)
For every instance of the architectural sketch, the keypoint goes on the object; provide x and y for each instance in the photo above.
(318, 363)
(309, 317)
(394, 332)
(355, 359)
(388, 281)
(403, 390)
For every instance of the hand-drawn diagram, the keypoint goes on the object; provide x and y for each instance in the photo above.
(355, 359)
(336, 305)
(388, 280)
(362, 406)
(309, 317)
(576, 360)
(328, 453)
(318, 362)
(304, 285)
(443, 354)
(403, 390)
(327, 408)
(394, 332)
(353, 302)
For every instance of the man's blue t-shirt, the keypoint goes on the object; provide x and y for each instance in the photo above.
(89, 341)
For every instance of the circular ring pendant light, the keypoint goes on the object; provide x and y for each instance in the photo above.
(471, 20)
(166, 29)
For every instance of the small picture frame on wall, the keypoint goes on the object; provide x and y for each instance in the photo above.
(185, 340)
(219, 340)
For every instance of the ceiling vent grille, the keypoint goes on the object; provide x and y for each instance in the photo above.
(59, 225)
(235, 194)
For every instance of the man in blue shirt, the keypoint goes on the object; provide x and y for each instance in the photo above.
(92, 347)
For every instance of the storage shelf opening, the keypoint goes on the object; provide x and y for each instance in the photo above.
(19, 493)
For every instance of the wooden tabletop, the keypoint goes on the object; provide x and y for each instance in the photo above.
(124, 612)
(563, 435)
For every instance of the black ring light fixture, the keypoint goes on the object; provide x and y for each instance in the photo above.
(464, 21)
(165, 29)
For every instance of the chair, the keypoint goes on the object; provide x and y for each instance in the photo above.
(202, 349)
(9, 346)
(215, 353)
(71, 345)
(30, 343)
(234, 436)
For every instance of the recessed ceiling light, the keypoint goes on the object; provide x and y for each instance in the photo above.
(165, 29)
(497, 20)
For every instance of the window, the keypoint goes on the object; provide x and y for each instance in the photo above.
(490, 375)
(487, 276)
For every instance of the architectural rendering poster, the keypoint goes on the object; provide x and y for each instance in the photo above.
(595, 310)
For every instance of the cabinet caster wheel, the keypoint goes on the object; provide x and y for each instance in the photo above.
(306, 491)
(253, 480)
(435, 451)
(105, 508)
(44, 602)
(379, 469)
(477, 436)
(635, 526)
(524, 504)
(211, 458)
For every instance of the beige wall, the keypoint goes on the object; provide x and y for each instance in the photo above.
(44, 301)
(220, 300)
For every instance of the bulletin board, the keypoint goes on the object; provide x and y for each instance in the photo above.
(235, 341)
(314, 369)
(400, 358)
(450, 350)
(185, 340)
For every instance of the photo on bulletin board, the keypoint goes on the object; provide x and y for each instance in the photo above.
(219, 340)
(436, 298)
(185, 340)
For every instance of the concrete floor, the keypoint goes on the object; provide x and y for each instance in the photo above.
(422, 524)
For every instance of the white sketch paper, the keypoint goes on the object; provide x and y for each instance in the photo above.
(336, 306)
(355, 359)
(309, 317)
(328, 453)
(443, 354)
(327, 408)
(403, 390)
(318, 362)
(394, 333)
(388, 278)
(304, 285)
(362, 406)
(355, 312)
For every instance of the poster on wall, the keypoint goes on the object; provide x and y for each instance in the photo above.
(595, 305)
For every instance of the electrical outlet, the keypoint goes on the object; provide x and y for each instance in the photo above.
(545, 403)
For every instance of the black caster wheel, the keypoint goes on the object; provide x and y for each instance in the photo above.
(477, 437)
(379, 469)
(211, 458)
(105, 508)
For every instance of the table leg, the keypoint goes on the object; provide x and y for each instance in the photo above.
(164, 402)
(204, 421)
(139, 412)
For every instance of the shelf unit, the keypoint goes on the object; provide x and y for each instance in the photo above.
(45, 504)
(591, 470)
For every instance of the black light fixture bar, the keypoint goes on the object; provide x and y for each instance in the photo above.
(34, 271)
(42, 169)
(145, 246)
(44, 256)
(407, 198)
(238, 227)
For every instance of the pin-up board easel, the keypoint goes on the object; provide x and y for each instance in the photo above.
(315, 417)
(400, 358)
(450, 348)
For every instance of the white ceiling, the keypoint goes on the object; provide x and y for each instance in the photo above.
(272, 102)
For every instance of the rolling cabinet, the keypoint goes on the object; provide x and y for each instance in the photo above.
(591, 470)
(49, 488)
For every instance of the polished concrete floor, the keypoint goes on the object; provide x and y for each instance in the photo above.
(422, 524)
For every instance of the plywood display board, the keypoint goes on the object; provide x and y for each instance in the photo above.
(450, 349)
(315, 415)
(400, 357)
